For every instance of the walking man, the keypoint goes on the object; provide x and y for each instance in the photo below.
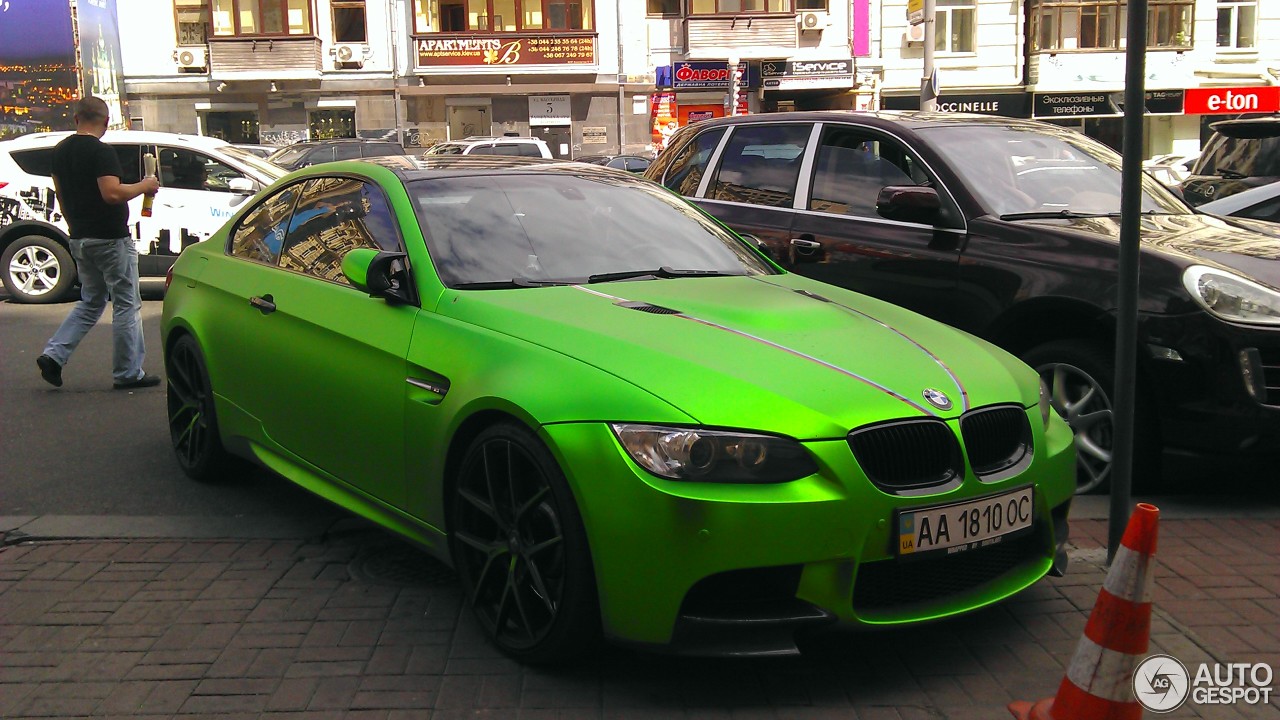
(86, 177)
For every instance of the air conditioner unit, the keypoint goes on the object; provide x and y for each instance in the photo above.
(349, 53)
(812, 21)
(915, 33)
(192, 58)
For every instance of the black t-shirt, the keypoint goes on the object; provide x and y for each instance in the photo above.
(78, 162)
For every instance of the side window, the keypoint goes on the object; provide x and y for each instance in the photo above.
(851, 168)
(189, 170)
(130, 162)
(637, 164)
(482, 150)
(528, 150)
(690, 163)
(1265, 210)
(35, 162)
(761, 164)
(346, 151)
(262, 230)
(335, 216)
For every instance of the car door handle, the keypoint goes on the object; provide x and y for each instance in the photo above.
(806, 244)
(266, 303)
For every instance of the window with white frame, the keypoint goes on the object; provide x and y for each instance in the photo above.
(261, 17)
(953, 26)
(1237, 20)
(349, 21)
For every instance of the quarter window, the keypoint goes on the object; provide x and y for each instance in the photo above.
(335, 216)
(261, 17)
(760, 165)
(262, 231)
(1236, 22)
(853, 166)
(690, 163)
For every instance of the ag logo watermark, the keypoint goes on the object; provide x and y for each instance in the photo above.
(1161, 683)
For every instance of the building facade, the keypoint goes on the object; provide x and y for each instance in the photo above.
(598, 76)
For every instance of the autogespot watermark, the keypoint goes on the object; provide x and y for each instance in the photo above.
(1161, 683)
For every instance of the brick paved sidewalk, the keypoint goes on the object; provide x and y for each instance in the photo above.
(359, 626)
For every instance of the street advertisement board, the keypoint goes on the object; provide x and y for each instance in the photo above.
(663, 118)
(507, 50)
(38, 85)
(100, 61)
(1222, 101)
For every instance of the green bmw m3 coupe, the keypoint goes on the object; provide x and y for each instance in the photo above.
(614, 418)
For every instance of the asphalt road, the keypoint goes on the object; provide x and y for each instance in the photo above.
(86, 451)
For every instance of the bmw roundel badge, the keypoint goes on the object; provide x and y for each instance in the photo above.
(937, 398)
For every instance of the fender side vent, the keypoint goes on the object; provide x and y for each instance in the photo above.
(646, 307)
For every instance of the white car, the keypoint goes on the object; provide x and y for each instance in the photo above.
(201, 185)
(505, 145)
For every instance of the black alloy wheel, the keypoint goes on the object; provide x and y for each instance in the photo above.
(193, 428)
(520, 550)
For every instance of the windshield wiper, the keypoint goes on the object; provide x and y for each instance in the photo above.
(519, 282)
(662, 272)
(1230, 174)
(1053, 214)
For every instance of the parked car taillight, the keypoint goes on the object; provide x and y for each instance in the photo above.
(168, 279)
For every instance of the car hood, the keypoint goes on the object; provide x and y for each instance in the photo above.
(778, 353)
(1197, 238)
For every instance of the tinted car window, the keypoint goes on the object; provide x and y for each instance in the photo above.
(262, 231)
(289, 157)
(377, 149)
(189, 170)
(853, 166)
(529, 150)
(1250, 157)
(333, 217)
(685, 172)
(493, 231)
(347, 151)
(35, 162)
(1265, 210)
(760, 165)
(636, 164)
(130, 162)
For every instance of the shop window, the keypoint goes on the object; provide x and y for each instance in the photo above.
(738, 7)
(349, 21)
(330, 124)
(954, 27)
(192, 21)
(240, 18)
(665, 8)
(430, 16)
(1237, 20)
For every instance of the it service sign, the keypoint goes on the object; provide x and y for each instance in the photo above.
(1220, 101)
(806, 74)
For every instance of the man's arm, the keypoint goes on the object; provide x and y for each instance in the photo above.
(116, 192)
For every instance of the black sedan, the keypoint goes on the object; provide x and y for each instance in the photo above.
(1009, 229)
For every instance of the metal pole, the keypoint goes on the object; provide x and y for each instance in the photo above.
(928, 95)
(1127, 300)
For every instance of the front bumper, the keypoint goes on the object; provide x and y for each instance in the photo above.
(737, 569)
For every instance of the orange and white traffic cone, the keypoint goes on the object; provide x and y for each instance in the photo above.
(1098, 684)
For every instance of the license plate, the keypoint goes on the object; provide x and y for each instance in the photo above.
(964, 525)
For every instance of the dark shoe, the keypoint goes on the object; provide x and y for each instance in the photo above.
(143, 382)
(50, 370)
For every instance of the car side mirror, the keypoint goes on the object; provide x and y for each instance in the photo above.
(240, 185)
(379, 273)
(909, 203)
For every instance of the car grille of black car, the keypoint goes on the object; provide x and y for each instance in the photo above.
(1270, 361)
(904, 455)
(996, 438)
(897, 583)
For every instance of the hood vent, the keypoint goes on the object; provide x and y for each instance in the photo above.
(646, 307)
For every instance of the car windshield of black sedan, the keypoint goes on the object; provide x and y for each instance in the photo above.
(538, 228)
(1016, 170)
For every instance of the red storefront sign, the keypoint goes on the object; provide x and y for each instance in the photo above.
(506, 50)
(1220, 101)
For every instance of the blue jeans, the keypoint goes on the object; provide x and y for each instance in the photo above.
(107, 268)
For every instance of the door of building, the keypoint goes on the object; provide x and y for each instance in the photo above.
(235, 126)
(558, 137)
(469, 120)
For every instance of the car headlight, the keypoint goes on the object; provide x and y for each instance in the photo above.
(1232, 297)
(1046, 403)
(714, 455)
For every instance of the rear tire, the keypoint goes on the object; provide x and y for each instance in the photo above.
(520, 549)
(1080, 376)
(38, 270)
(193, 426)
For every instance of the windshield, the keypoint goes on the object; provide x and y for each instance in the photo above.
(286, 157)
(1020, 169)
(268, 170)
(509, 230)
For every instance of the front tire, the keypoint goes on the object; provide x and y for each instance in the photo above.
(520, 549)
(38, 270)
(193, 426)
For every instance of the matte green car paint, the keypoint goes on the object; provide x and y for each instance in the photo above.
(566, 362)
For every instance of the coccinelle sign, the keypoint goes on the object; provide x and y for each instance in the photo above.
(1220, 101)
